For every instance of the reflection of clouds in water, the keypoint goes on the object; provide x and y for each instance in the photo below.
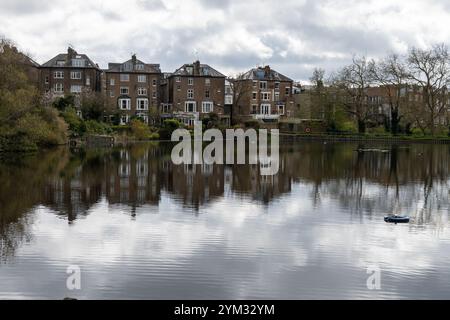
(244, 250)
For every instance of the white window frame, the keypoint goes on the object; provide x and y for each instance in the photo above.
(112, 82)
(142, 116)
(265, 96)
(75, 75)
(58, 75)
(141, 91)
(207, 107)
(124, 119)
(207, 82)
(265, 107)
(207, 93)
(254, 95)
(154, 82)
(139, 67)
(127, 103)
(190, 81)
(59, 87)
(186, 109)
(277, 96)
(76, 86)
(177, 79)
(122, 91)
(190, 93)
(263, 85)
(142, 78)
(78, 63)
(124, 77)
(283, 108)
(88, 81)
(288, 91)
(139, 106)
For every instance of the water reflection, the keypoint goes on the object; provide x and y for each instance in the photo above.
(325, 199)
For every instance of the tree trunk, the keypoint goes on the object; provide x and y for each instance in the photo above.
(394, 122)
(361, 126)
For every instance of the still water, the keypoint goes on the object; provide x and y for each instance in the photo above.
(141, 228)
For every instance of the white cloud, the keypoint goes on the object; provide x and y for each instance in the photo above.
(233, 36)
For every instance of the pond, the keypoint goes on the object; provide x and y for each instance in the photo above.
(140, 227)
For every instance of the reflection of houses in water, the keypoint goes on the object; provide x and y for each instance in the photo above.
(197, 184)
(133, 179)
(135, 176)
(73, 194)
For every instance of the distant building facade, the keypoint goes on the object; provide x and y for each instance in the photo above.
(264, 94)
(134, 87)
(193, 92)
(69, 73)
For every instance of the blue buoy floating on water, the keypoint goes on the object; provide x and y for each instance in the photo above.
(397, 219)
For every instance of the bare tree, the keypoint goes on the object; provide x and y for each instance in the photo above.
(317, 78)
(392, 74)
(430, 70)
(241, 89)
(353, 81)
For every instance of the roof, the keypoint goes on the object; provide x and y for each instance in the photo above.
(129, 66)
(263, 73)
(68, 62)
(204, 70)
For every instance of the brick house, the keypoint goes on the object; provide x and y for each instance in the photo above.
(263, 94)
(194, 91)
(133, 86)
(69, 73)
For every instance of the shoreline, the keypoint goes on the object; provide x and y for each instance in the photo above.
(355, 138)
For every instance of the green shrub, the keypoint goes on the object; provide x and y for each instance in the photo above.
(95, 127)
(168, 127)
(347, 127)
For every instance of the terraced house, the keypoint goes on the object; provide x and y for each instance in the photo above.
(263, 94)
(133, 86)
(194, 91)
(69, 73)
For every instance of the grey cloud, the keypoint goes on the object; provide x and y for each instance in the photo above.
(216, 4)
(20, 7)
(152, 4)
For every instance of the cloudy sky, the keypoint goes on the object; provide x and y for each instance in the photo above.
(293, 36)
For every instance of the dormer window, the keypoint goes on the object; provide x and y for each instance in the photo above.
(78, 63)
(139, 66)
(128, 66)
(60, 63)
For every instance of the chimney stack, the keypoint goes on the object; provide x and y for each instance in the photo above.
(267, 70)
(71, 53)
(197, 68)
(134, 59)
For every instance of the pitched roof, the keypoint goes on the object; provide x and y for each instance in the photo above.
(68, 62)
(129, 66)
(263, 73)
(204, 70)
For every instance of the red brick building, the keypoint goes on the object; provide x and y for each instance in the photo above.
(194, 91)
(263, 94)
(133, 86)
(69, 73)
